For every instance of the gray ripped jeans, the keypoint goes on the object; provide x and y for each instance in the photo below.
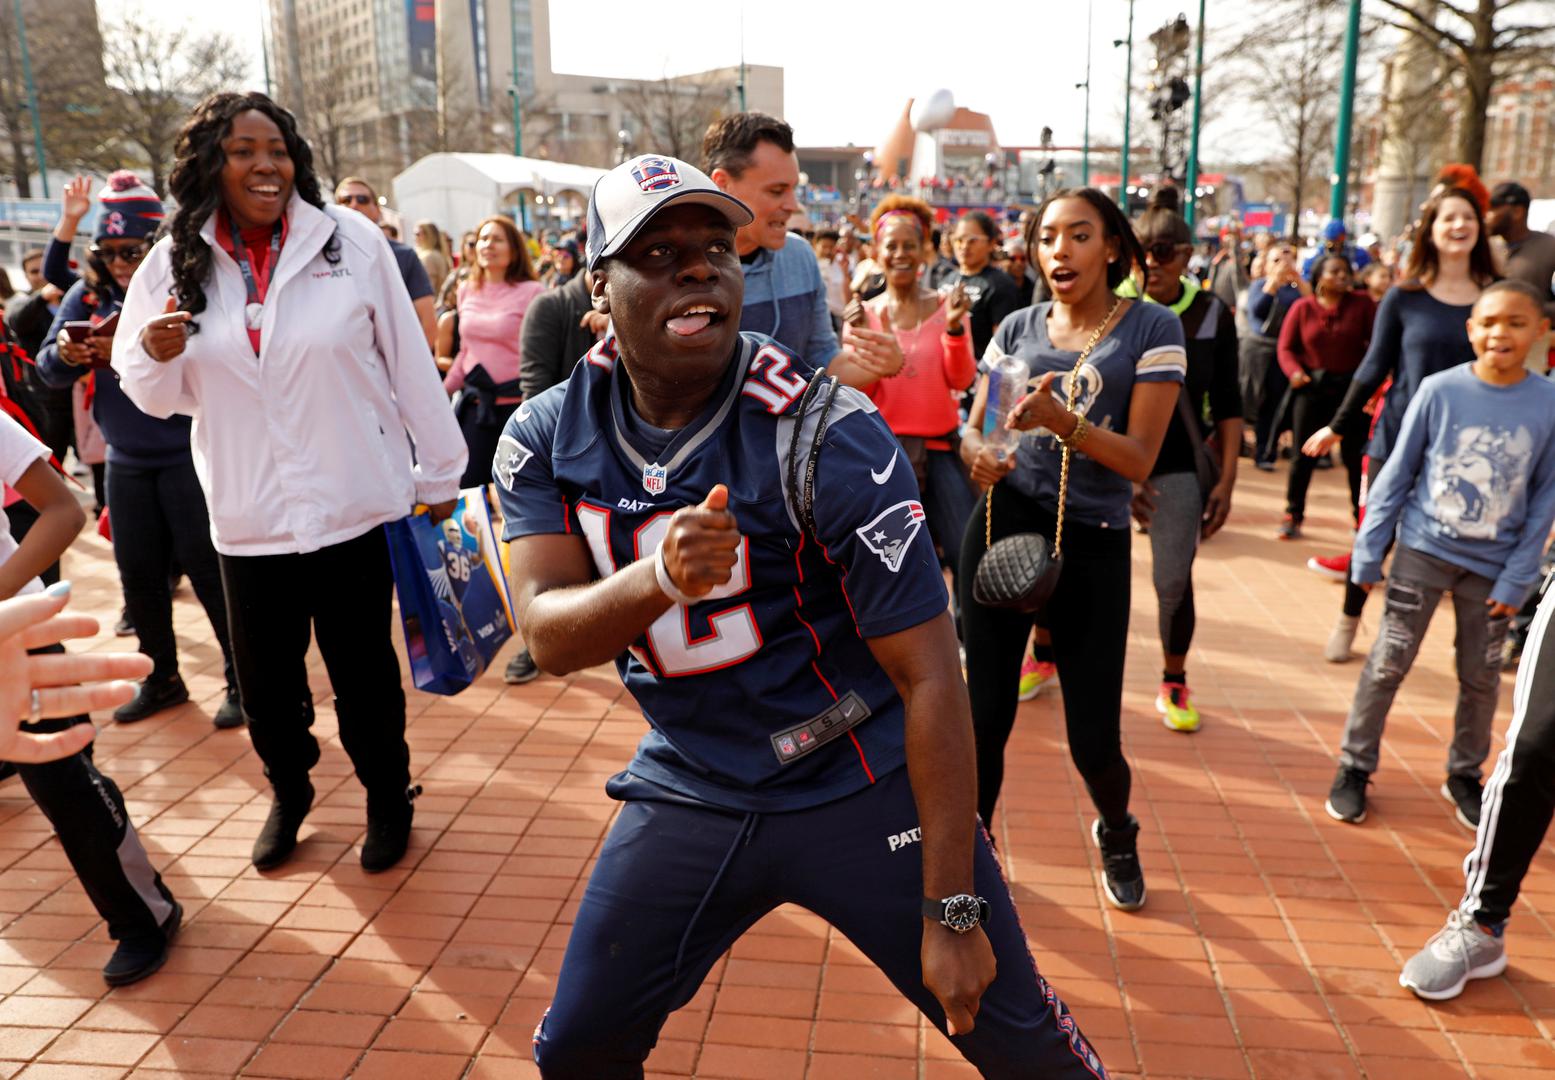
(1412, 591)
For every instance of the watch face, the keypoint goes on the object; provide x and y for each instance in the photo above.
(961, 913)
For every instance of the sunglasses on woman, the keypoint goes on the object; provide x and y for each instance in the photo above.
(132, 253)
(1164, 250)
(358, 199)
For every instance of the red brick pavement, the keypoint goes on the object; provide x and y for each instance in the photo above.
(1269, 948)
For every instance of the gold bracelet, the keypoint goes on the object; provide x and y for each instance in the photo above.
(1082, 428)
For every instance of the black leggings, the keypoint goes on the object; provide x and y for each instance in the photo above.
(1088, 618)
(1354, 595)
(1311, 408)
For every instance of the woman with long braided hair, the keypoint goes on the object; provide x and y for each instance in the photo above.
(281, 325)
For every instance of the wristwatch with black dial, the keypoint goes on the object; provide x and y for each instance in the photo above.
(962, 912)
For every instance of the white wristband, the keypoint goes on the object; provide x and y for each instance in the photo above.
(667, 584)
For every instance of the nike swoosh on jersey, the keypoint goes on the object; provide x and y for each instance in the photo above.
(885, 474)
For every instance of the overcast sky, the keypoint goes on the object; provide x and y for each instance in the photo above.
(849, 67)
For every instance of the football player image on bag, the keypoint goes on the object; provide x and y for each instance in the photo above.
(735, 531)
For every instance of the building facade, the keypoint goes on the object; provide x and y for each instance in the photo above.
(378, 84)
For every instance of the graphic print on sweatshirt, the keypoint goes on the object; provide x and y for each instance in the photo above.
(1477, 485)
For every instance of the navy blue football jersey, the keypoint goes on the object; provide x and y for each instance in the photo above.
(763, 696)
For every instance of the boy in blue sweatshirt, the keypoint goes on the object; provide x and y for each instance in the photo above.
(1470, 488)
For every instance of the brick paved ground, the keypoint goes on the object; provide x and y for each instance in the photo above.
(1270, 946)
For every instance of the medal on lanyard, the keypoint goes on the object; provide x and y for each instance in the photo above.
(254, 310)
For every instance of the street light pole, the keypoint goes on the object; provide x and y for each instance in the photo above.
(1193, 143)
(518, 130)
(1338, 190)
(742, 57)
(32, 97)
(1128, 101)
(1085, 151)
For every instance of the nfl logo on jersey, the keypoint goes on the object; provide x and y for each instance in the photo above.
(890, 534)
(655, 174)
(654, 479)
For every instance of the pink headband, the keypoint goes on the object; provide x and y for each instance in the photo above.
(889, 214)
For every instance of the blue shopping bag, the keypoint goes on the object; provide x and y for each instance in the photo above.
(454, 602)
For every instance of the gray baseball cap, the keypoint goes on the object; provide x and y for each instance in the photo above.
(627, 196)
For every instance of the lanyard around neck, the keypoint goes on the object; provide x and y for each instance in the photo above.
(253, 311)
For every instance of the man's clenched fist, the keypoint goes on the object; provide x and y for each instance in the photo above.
(702, 544)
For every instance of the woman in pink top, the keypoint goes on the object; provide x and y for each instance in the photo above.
(920, 402)
(491, 308)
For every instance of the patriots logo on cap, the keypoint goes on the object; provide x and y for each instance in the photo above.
(656, 174)
(512, 456)
(114, 226)
(891, 534)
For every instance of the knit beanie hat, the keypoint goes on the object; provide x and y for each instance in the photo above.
(130, 209)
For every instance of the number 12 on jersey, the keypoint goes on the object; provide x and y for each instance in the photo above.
(733, 636)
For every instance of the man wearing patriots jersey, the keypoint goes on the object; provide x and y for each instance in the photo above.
(757, 567)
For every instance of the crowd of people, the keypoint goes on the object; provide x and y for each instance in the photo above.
(712, 437)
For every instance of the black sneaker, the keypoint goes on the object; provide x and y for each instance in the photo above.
(1122, 877)
(230, 715)
(1347, 798)
(520, 669)
(1465, 793)
(1290, 528)
(388, 830)
(124, 628)
(137, 957)
(151, 698)
(278, 838)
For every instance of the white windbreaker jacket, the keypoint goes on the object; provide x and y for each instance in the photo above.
(309, 443)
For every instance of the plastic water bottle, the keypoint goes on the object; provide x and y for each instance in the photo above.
(1007, 379)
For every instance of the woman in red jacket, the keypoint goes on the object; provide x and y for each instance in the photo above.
(1322, 341)
(919, 402)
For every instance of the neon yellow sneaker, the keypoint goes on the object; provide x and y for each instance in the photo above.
(1175, 704)
(1034, 675)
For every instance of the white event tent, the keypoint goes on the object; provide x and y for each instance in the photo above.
(457, 190)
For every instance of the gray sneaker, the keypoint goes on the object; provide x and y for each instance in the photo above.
(1456, 953)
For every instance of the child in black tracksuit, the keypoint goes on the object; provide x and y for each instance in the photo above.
(84, 806)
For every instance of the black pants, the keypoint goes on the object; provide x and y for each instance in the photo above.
(159, 520)
(88, 814)
(1088, 619)
(676, 884)
(1519, 798)
(344, 593)
(54, 414)
(1263, 386)
(1311, 408)
(22, 517)
(481, 439)
(1354, 595)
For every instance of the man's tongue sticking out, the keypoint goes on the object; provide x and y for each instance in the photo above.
(686, 325)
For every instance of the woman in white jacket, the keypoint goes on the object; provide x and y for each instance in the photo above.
(280, 324)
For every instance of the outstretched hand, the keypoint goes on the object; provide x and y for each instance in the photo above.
(65, 684)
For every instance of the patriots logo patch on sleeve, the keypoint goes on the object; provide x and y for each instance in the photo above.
(512, 456)
(891, 534)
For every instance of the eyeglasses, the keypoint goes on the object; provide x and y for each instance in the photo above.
(130, 254)
(359, 200)
(1163, 250)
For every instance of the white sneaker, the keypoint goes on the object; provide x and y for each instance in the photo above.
(1341, 639)
(1456, 953)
